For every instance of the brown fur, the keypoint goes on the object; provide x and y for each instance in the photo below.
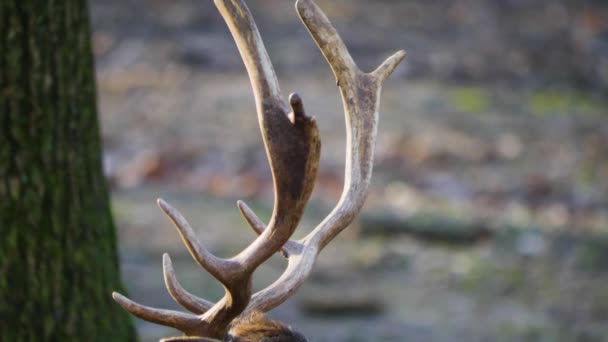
(255, 327)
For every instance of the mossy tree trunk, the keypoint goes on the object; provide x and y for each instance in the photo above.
(58, 257)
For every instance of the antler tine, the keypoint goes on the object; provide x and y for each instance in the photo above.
(360, 94)
(217, 267)
(184, 298)
(251, 47)
(289, 248)
(188, 323)
(385, 69)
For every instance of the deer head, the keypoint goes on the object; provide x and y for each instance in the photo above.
(292, 143)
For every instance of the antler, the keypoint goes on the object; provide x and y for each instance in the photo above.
(292, 144)
(360, 96)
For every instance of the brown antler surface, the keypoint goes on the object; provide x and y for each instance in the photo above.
(292, 145)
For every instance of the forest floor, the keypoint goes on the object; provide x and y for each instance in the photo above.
(487, 218)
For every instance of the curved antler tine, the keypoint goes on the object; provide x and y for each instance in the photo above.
(290, 247)
(327, 38)
(184, 298)
(184, 322)
(254, 221)
(332, 46)
(298, 269)
(251, 47)
(388, 66)
(214, 265)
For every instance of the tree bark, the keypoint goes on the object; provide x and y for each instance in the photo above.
(58, 256)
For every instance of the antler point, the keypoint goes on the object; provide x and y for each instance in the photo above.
(162, 203)
(120, 299)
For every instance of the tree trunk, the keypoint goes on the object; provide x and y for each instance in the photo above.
(58, 256)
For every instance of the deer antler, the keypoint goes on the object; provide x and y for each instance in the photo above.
(293, 147)
(292, 144)
(360, 96)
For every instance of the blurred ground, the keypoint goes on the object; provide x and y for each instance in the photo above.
(488, 215)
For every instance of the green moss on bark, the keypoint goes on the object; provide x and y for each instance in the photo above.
(58, 257)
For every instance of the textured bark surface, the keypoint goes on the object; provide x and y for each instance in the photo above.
(58, 257)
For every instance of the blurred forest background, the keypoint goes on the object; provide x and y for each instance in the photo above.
(488, 214)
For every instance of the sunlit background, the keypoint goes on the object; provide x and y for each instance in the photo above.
(488, 213)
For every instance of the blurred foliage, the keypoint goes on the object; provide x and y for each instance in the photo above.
(426, 226)
(470, 99)
(565, 103)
